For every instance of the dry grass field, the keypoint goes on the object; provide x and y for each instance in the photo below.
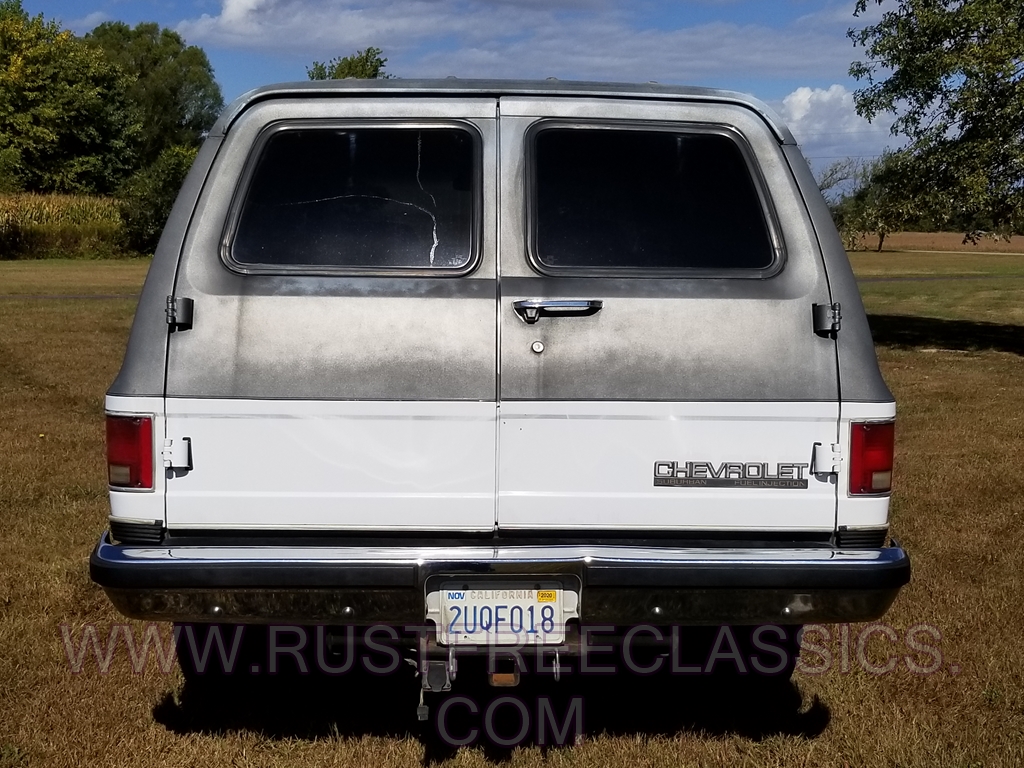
(946, 241)
(952, 351)
(73, 278)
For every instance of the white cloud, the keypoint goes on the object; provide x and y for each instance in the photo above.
(585, 39)
(826, 123)
(574, 39)
(609, 50)
(87, 23)
(239, 11)
(841, 15)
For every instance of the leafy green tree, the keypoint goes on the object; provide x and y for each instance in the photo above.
(174, 88)
(145, 200)
(952, 71)
(880, 204)
(66, 123)
(367, 65)
(836, 176)
(837, 182)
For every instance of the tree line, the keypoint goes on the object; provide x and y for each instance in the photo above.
(119, 111)
(82, 114)
(122, 111)
(870, 199)
(952, 73)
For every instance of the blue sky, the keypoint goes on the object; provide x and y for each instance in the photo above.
(794, 54)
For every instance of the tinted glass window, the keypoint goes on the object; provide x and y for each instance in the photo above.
(365, 198)
(645, 200)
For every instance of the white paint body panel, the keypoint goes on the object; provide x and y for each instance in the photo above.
(273, 464)
(590, 465)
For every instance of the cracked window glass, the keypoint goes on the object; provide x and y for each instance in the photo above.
(362, 198)
(609, 199)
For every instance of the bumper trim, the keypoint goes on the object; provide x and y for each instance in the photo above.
(198, 567)
(386, 584)
(599, 606)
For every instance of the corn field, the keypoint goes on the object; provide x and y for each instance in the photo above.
(34, 226)
(62, 210)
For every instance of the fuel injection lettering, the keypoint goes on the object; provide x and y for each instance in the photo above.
(729, 474)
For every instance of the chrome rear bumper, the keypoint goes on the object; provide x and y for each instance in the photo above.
(621, 585)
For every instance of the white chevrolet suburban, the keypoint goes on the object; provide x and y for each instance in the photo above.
(500, 360)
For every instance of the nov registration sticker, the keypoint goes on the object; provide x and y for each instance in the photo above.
(489, 613)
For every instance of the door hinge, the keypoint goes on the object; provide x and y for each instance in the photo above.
(827, 458)
(177, 454)
(179, 313)
(827, 319)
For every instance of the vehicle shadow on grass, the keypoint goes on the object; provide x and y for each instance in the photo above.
(909, 332)
(359, 703)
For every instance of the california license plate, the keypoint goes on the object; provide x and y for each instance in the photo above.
(490, 613)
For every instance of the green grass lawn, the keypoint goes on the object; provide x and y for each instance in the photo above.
(959, 383)
(997, 300)
(926, 305)
(890, 264)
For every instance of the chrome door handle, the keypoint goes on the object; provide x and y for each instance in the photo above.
(532, 310)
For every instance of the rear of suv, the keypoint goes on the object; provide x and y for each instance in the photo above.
(501, 360)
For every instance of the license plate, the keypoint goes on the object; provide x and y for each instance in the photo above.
(501, 613)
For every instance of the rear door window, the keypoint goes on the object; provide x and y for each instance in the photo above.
(358, 200)
(654, 202)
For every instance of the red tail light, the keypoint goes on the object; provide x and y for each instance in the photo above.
(871, 451)
(130, 451)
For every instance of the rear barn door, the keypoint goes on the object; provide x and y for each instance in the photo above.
(341, 368)
(659, 368)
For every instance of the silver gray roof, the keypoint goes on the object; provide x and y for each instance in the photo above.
(498, 88)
